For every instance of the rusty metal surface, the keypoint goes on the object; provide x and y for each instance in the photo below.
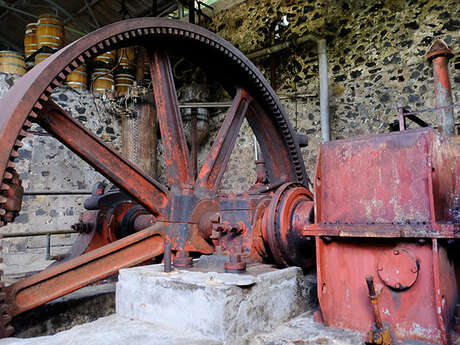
(401, 178)
(104, 159)
(177, 159)
(285, 241)
(382, 209)
(74, 274)
(177, 213)
(342, 266)
(439, 56)
(398, 269)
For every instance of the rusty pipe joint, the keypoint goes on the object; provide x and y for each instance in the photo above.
(439, 56)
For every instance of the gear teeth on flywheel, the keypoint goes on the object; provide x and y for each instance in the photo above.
(11, 196)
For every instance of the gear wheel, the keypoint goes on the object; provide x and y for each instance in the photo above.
(29, 101)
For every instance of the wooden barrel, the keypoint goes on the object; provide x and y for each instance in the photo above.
(12, 62)
(102, 80)
(77, 79)
(41, 56)
(124, 80)
(106, 59)
(30, 39)
(126, 58)
(50, 31)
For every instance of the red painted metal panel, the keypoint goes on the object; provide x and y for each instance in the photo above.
(396, 178)
(412, 313)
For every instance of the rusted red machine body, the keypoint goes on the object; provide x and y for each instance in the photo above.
(385, 207)
(383, 211)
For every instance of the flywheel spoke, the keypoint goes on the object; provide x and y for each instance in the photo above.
(83, 270)
(147, 191)
(216, 162)
(170, 120)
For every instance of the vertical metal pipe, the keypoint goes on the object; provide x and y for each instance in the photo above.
(167, 256)
(402, 119)
(194, 141)
(439, 55)
(324, 91)
(48, 246)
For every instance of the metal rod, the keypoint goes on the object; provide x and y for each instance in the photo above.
(206, 105)
(14, 4)
(439, 55)
(39, 233)
(406, 113)
(324, 91)
(167, 256)
(282, 46)
(256, 148)
(83, 9)
(194, 143)
(55, 192)
(48, 246)
(402, 119)
(374, 301)
(90, 10)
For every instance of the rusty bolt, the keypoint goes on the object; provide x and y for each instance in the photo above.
(235, 264)
(80, 227)
(183, 260)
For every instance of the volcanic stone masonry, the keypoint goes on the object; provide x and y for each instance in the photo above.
(376, 58)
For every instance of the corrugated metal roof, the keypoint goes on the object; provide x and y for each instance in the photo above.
(80, 16)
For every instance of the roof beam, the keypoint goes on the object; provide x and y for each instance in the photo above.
(90, 10)
(14, 4)
(5, 5)
(14, 9)
(68, 15)
(84, 9)
(11, 44)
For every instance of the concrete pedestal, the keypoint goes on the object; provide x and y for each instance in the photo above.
(229, 308)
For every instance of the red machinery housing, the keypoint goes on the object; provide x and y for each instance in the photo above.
(387, 206)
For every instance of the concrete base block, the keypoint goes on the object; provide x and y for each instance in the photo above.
(227, 307)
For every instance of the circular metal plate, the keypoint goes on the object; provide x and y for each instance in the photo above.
(398, 269)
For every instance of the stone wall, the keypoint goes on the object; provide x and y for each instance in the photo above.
(376, 58)
(46, 165)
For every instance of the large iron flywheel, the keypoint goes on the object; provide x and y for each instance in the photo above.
(29, 100)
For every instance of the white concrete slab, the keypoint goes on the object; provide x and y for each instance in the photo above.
(115, 330)
(229, 308)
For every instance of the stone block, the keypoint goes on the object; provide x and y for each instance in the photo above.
(227, 307)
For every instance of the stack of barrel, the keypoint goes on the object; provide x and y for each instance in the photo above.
(47, 32)
(125, 72)
(102, 78)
